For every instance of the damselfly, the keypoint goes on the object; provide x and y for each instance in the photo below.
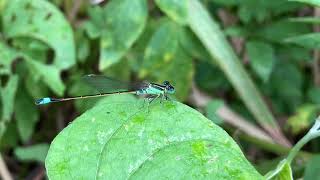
(107, 86)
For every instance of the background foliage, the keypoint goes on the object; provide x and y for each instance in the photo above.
(271, 52)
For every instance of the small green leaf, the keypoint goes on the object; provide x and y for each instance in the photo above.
(313, 95)
(8, 93)
(40, 20)
(124, 22)
(36, 152)
(262, 58)
(303, 118)
(121, 138)
(310, 2)
(26, 114)
(282, 172)
(278, 31)
(175, 9)
(48, 74)
(312, 171)
(311, 41)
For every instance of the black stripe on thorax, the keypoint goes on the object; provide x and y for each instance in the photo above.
(158, 86)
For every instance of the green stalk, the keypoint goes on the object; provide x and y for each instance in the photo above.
(312, 133)
(207, 30)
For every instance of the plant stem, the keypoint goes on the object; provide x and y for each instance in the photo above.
(209, 33)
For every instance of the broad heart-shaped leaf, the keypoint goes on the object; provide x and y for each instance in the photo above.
(164, 57)
(124, 22)
(40, 20)
(175, 9)
(7, 95)
(261, 57)
(123, 138)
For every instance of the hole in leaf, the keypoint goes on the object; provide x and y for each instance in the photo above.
(50, 56)
(4, 80)
(14, 64)
(48, 16)
(13, 18)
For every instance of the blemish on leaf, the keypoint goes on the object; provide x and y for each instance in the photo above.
(138, 119)
(93, 119)
(198, 148)
(13, 18)
(48, 16)
(28, 6)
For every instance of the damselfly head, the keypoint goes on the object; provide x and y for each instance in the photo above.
(170, 89)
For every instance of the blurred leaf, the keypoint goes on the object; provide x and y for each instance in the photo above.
(278, 31)
(169, 133)
(124, 22)
(312, 171)
(213, 39)
(286, 84)
(211, 111)
(82, 46)
(8, 93)
(192, 45)
(35, 87)
(236, 31)
(164, 58)
(313, 20)
(95, 26)
(26, 114)
(260, 10)
(282, 172)
(40, 20)
(310, 2)
(292, 53)
(7, 55)
(303, 118)
(175, 9)
(210, 78)
(311, 40)
(10, 137)
(37, 152)
(313, 95)
(261, 56)
(48, 74)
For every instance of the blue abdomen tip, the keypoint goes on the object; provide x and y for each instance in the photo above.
(43, 101)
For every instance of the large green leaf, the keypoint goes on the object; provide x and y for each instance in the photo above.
(261, 57)
(124, 22)
(175, 9)
(26, 114)
(120, 138)
(40, 20)
(7, 93)
(164, 57)
(222, 54)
